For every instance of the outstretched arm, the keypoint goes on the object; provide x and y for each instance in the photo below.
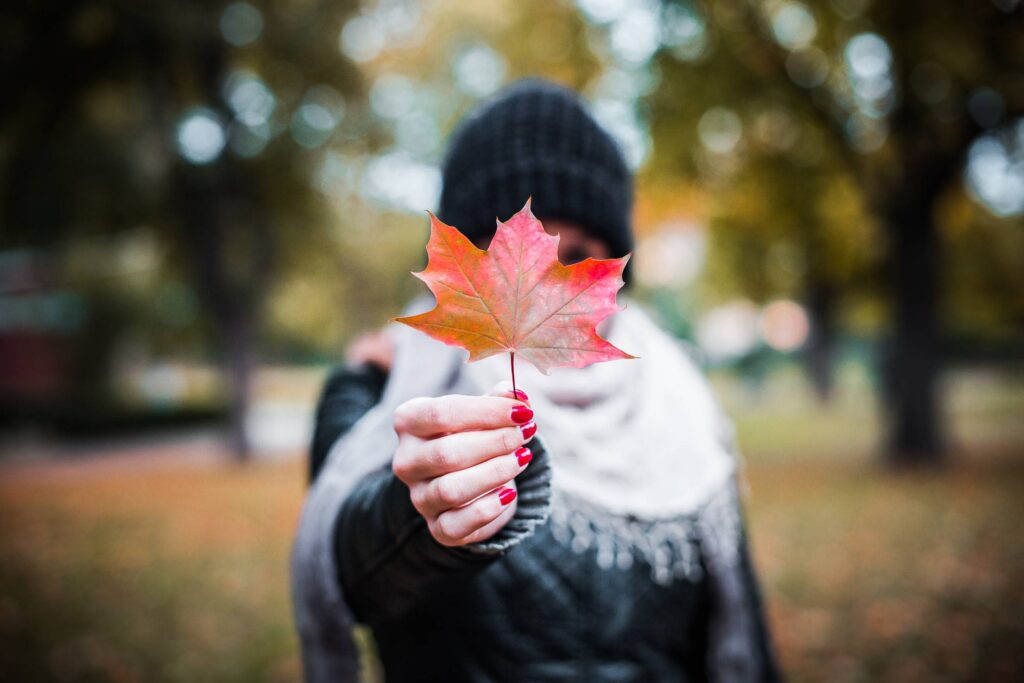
(448, 503)
(386, 557)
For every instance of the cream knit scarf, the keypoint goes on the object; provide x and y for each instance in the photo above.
(639, 452)
(640, 438)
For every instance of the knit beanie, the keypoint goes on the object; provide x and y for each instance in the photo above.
(536, 139)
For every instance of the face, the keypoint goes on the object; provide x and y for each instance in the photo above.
(574, 243)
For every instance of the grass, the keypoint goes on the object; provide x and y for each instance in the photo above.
(178, 572)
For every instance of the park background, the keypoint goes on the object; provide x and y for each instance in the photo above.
(203, 203)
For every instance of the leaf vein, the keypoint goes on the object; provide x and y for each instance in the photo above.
(556, 311)
(476, 291)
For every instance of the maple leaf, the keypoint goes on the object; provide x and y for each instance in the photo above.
(517, 297)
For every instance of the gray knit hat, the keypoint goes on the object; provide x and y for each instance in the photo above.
(536, 139)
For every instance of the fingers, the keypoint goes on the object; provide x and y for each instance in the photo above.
(422, 459)
(456, 489)
(476, 521)
(460, 455)
(428, 417)
(505, 389)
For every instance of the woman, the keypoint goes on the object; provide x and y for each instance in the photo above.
(587, 531)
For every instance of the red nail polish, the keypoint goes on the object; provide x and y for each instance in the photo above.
(521, 395)
(521, 414)
(523, 455)
(529, 429)
(506, 496)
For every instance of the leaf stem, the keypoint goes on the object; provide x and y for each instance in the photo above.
(512, 361)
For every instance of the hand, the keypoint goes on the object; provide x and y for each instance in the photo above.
(459, 456)
(374, 347)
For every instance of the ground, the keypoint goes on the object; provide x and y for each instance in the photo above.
(170, 564)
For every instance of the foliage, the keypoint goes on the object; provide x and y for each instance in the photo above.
(767, 111)
(782, 105)
(208, 176)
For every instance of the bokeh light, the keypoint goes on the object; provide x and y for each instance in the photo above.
(807, 67)
(684, 31)
(241, 24)
(316, 117)
(249, 141)
(603, 11)
(635, 35)
(250, 98)
(200, 136)
(673, 256)
(868, 61)
(478, 70)
(720, 130)
(792, 24)
(728, 331)
(392, 96)
(619, 118)
(397, 181)
(775, 129)
(995, 171)
(361, 39)
(784, 325)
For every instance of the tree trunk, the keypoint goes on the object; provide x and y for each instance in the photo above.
(819, 354)
(230, 281)
(914, 362)
(238, 364)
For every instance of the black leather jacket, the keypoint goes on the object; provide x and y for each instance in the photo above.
(536, 612)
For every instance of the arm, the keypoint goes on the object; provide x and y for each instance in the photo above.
(386, 556)
(384, 552)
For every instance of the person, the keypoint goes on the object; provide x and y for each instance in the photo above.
(586, 529)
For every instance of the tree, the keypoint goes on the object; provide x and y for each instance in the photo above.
(200, 120)
(893, 95)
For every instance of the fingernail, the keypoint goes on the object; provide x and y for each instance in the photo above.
(506, 496)
(521, 395)
(521, 414)
(523, 455)
(529, 429)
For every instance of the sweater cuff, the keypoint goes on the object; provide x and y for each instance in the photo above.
(532, 509)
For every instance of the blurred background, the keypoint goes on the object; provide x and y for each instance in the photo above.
(203, 203)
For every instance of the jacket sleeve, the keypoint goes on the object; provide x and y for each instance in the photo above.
(739, 644)
(348, 393)
(387, 559)
(385, 555)
(762, 642)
